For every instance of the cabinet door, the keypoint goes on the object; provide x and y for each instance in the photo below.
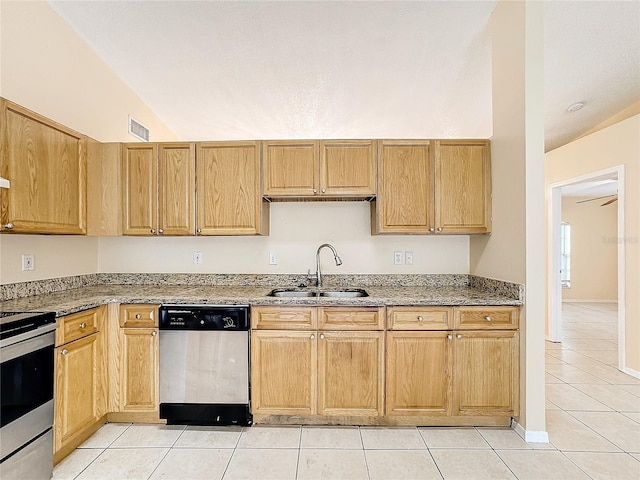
(462, 186)
(140, 189)
(348, 168)
(139, 370)
(229, 201)
(405, 188)
(485, 377)
(76, 388)
(350, 373)
(47, 166)
(283, 378)
(176, 188)
(418, 373)
(290, 168)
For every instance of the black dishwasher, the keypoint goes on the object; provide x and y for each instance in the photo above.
(204, 365)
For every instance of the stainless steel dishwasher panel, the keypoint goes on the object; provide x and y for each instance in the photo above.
(206, 367)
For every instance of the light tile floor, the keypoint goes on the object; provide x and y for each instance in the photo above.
(593, 421)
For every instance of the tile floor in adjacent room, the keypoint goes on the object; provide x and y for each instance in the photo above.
(593, 421)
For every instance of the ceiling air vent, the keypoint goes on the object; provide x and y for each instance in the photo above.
(138, 130)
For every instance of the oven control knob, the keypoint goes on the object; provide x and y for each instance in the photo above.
(201, 322)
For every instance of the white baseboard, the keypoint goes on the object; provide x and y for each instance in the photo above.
(530, 436)
(632, 372)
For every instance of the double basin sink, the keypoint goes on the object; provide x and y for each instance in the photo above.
(291, 292)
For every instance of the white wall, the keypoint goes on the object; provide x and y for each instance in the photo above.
(297, 229)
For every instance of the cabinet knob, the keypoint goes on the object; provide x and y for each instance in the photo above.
(160, 231)
(324, 190)
(315, 191)
(458, 336)
(420, 319)
(64, 351)
(439, 229)
(432, 229)
(487, 318)
(321, 337)
(153, 231)
(138, 316)
(312, 336)
(154, 333)
(449, 337)
(8, 226)
(83, 325)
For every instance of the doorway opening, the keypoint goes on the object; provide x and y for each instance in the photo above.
(609, 185)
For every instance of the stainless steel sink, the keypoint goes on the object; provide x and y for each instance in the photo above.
(344, 293)
(349, 293)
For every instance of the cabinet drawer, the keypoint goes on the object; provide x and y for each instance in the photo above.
(419, 318)
(284, 318)
(77, 326)
(139, 316)
(489, 318)
(351, 318)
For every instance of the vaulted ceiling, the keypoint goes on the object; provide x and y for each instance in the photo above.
(255, 70)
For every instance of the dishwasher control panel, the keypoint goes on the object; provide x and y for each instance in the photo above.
(189, 317)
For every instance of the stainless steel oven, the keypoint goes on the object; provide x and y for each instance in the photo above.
(204, 364)
(27, 376)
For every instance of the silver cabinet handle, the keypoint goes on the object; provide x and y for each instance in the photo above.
(154, 333)
(153, 231)
(312, 336)
(315, 191)
(198, 231)
(64, 351)
(324, 190)
(449, 337)
(458, 336)
(8, 226)
(432, 229)
(439, 229)
(138, 316)
(83, 325)
(420, 319)
(321, 337)
(160, 231)
(487, 318)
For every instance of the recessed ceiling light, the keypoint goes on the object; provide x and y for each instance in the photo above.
(575, 107)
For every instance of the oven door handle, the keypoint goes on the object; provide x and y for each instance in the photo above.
(31, 345)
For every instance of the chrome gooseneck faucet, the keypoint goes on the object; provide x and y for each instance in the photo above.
(335, 256)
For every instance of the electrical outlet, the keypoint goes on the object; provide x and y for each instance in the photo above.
(408, 257)
(28, 262)
(273, 258)
(197, 257)
(397, 258)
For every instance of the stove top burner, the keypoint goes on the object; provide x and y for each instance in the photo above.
(15, 323)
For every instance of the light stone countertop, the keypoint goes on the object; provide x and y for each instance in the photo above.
(74, 300)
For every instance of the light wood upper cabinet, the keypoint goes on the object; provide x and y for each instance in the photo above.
(328, 168)
(405, 188)
(486, 373)
(439, 186)
(462, 186)
(228, 190)
(283, 372)
(47, 166)
(418, 373)
(350, 373)
(158, 189)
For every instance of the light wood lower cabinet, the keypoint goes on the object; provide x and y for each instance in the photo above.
(486, 374)
(317, 372)
(418, 373)
(350, 373)
(80, 392)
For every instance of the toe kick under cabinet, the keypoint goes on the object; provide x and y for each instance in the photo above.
(399, 365)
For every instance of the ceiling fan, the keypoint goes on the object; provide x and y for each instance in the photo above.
(613, 198)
